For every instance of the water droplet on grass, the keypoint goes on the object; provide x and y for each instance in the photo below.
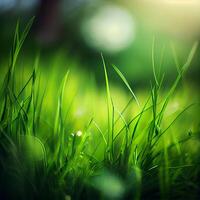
(79, 133)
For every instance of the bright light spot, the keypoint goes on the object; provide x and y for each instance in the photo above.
(72, 134)
(172, 108)
(111, 29)
(79, 133)
(110, 185)
(80, 112)
(179, 18)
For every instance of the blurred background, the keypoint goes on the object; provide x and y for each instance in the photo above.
(77, 31)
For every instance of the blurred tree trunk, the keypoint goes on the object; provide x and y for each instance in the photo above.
(49, 19)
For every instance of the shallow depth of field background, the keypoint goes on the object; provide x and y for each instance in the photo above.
(79, 30)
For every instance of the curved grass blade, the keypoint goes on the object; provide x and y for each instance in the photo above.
(126, 83)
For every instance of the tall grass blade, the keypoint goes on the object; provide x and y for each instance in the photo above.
(126, 83)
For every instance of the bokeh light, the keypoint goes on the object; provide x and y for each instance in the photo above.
(110, 29)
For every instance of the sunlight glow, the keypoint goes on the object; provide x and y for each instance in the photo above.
(181, 1)
(111, 29)
(179, 18)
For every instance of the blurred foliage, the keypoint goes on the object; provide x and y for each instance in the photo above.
(58, 30)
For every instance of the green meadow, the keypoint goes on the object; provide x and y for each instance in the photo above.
(63, 135)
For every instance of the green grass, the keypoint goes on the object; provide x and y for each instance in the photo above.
(70, 139)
